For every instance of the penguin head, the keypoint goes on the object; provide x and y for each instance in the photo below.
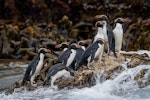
(44, 50)
(99, 24)
(119, 20)
(101, 41)
(74, 46)
(101, 18)
(122, 20)
(84, 42)
(62, 45)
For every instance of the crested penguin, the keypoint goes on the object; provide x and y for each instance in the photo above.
(118, 33)
(68, 55)
(108, 33)
(35, 67)
(92, 51)
(79, 52)
(57, 71)
(64, 46)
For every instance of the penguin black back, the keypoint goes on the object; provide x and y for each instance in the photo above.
(90, 51)
(54, 69)
(33, 64)
(111, 39)
(31, 67)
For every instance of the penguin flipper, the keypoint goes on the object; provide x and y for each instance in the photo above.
(65, 56)
(51, 73)
(54, 69)
(111, 40)
(27, 75)
(113, 47)
(93, 54)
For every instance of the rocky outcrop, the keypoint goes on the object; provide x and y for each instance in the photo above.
(108, 68)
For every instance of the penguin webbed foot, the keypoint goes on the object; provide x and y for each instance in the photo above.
(33, 84)
(113, 53)
(54, 87)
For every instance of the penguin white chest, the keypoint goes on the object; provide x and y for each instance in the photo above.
(118, 34)
(99, 34)
(105, 33)
(59, 74)
(71, 57)
(40, 64)
(98, 50)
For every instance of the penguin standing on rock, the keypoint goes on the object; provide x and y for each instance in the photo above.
(57, 71)
(118, 33)
(95, 50)
(35, 67)
(64, 46)
(68, 55)
(108, 33)
(79, 52)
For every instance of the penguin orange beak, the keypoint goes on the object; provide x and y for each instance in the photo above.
(57, 46)
(48, 51)
(79, 46)
(97, 16)
(86, 41)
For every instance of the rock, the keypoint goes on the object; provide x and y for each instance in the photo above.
(30, 31)
(134, 62)
(110, 63)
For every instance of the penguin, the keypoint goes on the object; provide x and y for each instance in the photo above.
(118, 33)
(35, 67)
(57, 71)
(68, 55)
(79, 52)
(64, 46)
(92, 51)
(108, 33)
(99, 30)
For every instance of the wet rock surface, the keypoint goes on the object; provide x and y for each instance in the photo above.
(108, 68)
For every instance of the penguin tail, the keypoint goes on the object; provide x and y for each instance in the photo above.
(23, 82)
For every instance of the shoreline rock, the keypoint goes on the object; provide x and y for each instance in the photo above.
(109, 68)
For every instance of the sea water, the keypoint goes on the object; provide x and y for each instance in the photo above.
(123, 87)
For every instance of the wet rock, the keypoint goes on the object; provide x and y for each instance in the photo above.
(110, 63)
(134, 62)
(137, 36)
(137, 59)
(30, 31)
